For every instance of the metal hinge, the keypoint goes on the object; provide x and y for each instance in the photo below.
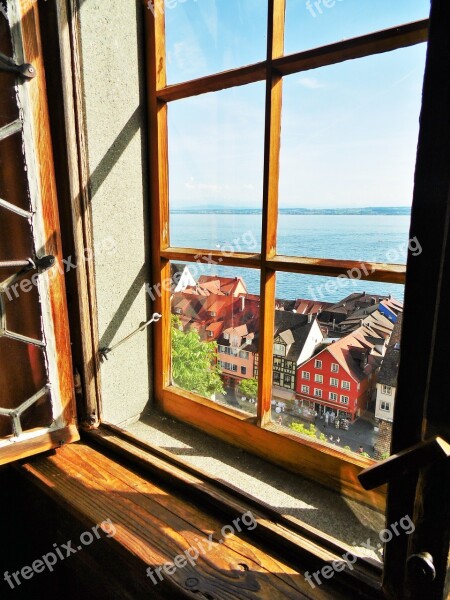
(8, 65)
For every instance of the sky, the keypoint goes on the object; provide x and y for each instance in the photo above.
(349, 131)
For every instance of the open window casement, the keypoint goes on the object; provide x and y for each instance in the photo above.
(37, 406)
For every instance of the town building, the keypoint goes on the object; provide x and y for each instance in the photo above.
(386, 388)
(340, 377)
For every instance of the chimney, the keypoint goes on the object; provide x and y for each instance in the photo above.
(334, 324)
(310, 318)
(242, 303)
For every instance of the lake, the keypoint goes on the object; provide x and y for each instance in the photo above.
(373, 238)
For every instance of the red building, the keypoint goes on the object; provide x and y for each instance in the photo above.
(340, 378)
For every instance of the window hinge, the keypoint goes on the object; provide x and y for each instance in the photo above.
(8, 65)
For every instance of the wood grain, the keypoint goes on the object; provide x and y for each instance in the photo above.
(154, 525)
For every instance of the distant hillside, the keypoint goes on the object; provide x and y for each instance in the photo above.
(371, 210)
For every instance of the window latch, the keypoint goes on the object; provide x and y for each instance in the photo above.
(105, 351)
(8, 65)
(404, 462)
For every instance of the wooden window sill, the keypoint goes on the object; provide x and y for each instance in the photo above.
(156, 519)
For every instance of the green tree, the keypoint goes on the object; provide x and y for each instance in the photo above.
(249, 387)
(194, 362)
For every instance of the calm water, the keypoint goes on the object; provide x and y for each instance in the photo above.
(360, 238)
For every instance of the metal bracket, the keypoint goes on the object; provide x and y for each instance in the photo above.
(40, 264)
(8, 65)
(105, 351)
(407, 461)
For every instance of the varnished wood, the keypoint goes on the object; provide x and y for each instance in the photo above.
(44, 155)
(274, 83)
(366, 45)
(213, 83)
(373, 43)
(153, 526)
(38, 444)
(328, 466)
(126, 443)
(325, 267)
(422, 409)
(159, 196)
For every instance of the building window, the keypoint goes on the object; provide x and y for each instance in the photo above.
(210, 334)
(386, 389)
(287, 380)
(318, 378)
(305, 389)
(334, 382)
(317, 393)
(243, 370)
(279, 349)
(178, 311)
(305, 374)
(333, 396)
(345, 385)
(334, 368)
(226, 336)
(243, 354)
(276, 377)
(318, 364)
(385, 406)
(345, 399)
(212, 313)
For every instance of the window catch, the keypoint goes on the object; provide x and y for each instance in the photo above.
(8, 65)
(105, 351)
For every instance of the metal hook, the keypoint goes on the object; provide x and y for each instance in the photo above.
(105, 351)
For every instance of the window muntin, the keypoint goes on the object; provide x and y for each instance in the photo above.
(344, 399)
(385, 406)
(334, 382)
(305, 375)
(318, 378)
(318, 392)
(305, 389)
(333, 396)
(318, 364)
(315, 271)
(334, 368)
(386, 389)
(345, 385)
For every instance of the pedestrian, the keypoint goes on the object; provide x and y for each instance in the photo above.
(360, 450)
(280, 420)
(338, 439)
(331, 438)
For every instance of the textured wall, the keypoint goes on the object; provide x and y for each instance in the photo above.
(113, 78)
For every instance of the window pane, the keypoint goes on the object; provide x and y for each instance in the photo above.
(216, 154)
(355, 328)
(348, 149)
(208, 36)
(313, 23)
(215, 323)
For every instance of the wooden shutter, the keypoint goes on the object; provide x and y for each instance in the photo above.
(37, 406)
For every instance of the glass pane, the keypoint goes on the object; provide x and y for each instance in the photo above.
(215, 322)
(340, 354)
(216, 156)
(348, 150)
(208, 36)
(313, 23)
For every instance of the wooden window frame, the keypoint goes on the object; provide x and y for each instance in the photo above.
(254, 434)
(419, 413)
